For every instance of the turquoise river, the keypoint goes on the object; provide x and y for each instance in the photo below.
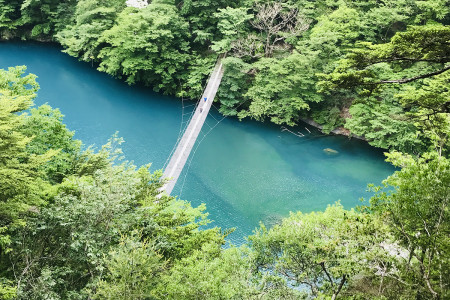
(245, 172)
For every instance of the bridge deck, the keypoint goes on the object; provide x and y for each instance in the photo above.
(181, 154)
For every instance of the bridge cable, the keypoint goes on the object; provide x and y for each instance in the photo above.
(198, 144)
(181, 131)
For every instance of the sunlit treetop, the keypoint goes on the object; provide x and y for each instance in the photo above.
(137, 3)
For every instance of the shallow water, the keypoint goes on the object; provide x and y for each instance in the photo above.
(245, 172)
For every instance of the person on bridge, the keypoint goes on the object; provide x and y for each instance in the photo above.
(206, 99)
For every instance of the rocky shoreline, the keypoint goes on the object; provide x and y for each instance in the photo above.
(338, 130)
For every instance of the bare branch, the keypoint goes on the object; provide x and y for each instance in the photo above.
(277, 23)
(250, 46)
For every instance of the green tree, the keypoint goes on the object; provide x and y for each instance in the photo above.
(210, 273)
(76, 241)
(148, 45)
(433, 9)
(21, 185)
(9, 14)
(54, 136)
(319, 252)
(202, 19)
(133, 270)
(426, 44)
(20, 182)
(282, 89)
(385, 125)
(332, 34)
(194, 80)
(414, 203)
(408, 78)
(92, 19)
(232, 23)
(381, 19)
(233, 86)
(43, 18)
(429, 108)
(7, 290)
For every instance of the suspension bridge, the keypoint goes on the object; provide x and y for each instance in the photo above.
(187, 141)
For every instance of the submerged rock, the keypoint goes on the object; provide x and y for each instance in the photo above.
(273, 219)
(330, 151)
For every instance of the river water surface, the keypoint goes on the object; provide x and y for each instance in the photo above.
(245, 172)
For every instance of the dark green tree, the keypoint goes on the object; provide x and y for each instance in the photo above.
(202, 19)
(43, 18)
(233, 86)
(9, 16)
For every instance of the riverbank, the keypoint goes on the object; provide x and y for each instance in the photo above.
(10, 37)
(337, 131)
(245, 171)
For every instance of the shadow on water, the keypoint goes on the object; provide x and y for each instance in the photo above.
(245, 172)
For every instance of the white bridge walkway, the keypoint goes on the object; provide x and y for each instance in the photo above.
(181, 154)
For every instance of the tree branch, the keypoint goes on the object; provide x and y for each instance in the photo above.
(344, 278)
(406, 80)
(440, 60)
(322, 264)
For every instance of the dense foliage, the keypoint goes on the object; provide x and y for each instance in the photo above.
(342, 63)
(65, 212)
(84, 224)
(78, 224)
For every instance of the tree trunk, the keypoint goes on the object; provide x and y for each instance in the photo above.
(335, 293)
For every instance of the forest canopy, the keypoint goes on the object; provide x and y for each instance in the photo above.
(347, 64)
(80, 223)
(84, 224)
